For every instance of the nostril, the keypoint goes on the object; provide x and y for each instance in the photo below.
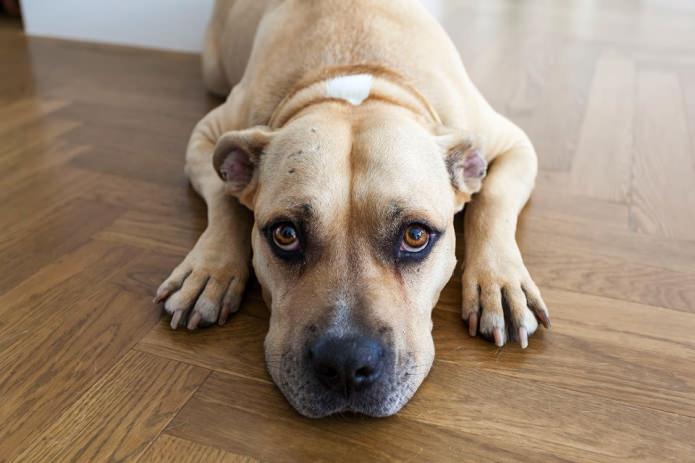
(364, 372)
(347, 363)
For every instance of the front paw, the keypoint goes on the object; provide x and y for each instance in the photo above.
(207, 286)
(500, 300)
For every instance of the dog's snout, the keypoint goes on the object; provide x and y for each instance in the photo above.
(347, 364)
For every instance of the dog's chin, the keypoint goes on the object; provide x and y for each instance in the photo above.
(312, 400)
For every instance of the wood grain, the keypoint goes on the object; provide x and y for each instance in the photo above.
(174, 450)
(250, 417)
(579, 354)
(95, 211)
(601, 167)
(116, 419)
(51, 236)
(234, 348)
(663, 171)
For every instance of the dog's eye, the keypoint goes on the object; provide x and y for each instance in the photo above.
(285, 237)
(415, 238)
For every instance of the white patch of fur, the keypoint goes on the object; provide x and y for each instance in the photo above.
(354, 88)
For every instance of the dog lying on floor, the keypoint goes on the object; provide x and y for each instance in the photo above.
(353, 133)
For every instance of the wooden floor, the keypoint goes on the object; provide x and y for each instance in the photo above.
(95, 211)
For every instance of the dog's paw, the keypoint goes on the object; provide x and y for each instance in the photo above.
(500, 300)
(206, 287)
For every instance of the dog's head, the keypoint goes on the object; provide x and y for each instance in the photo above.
(353, 242)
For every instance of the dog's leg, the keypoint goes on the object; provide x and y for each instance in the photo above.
(499, 297)
(212, 277)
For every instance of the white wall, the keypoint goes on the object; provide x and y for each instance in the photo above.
(164, 24)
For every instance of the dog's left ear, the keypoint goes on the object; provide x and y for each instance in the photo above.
(236, 159)
(464, 160)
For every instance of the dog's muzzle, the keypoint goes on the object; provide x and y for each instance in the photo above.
(347, 365)
(346, 372)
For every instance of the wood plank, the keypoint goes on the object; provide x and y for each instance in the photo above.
(601, 167)
(613, 277)
(42, 239)
(503, 421)
(171, 449)
(540, 64)
(215, 414)
(687, 79)
(145, 157)
(636, 354)
(116, 419)
(76, 328)
(554, 124)
(35, 134)
(58, 284)
(235, 348)
(549, 202)
(143, 229)
(23, 111)
(533, 416)
(41, 192)
(663, 172)
(119, 76)
(604, 261)
(22, 167)
(539, 234)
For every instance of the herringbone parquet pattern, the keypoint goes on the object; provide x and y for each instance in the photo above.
(95, 211)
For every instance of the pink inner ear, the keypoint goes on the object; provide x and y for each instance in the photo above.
(474, 165)
(237, 168)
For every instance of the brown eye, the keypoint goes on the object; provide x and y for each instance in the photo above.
(415, 238)
(285, 237)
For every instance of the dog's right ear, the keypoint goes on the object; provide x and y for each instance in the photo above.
(236, 159)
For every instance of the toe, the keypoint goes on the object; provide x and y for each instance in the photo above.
(175, 319)
(181, 301)
(470, 305)
(194, 320)
(492, 318)
(470, 298)
(232, 299)
(519, 315)
(173, 283)
(536, 304)
(207, 307)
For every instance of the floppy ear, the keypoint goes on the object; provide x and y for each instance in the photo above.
(236, 159)
(465, 162)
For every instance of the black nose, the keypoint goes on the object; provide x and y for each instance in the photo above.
(347, 364)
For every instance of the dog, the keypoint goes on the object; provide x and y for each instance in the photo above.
(354, 135)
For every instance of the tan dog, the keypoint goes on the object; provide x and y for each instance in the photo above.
(354, 135)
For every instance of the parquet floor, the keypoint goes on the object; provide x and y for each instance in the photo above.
(95, 211)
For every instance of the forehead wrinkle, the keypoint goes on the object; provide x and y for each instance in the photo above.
(352, 261)
(292, 208)
(400, 211)
(381, 196)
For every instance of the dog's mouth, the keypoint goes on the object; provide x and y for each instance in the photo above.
(317, 389)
